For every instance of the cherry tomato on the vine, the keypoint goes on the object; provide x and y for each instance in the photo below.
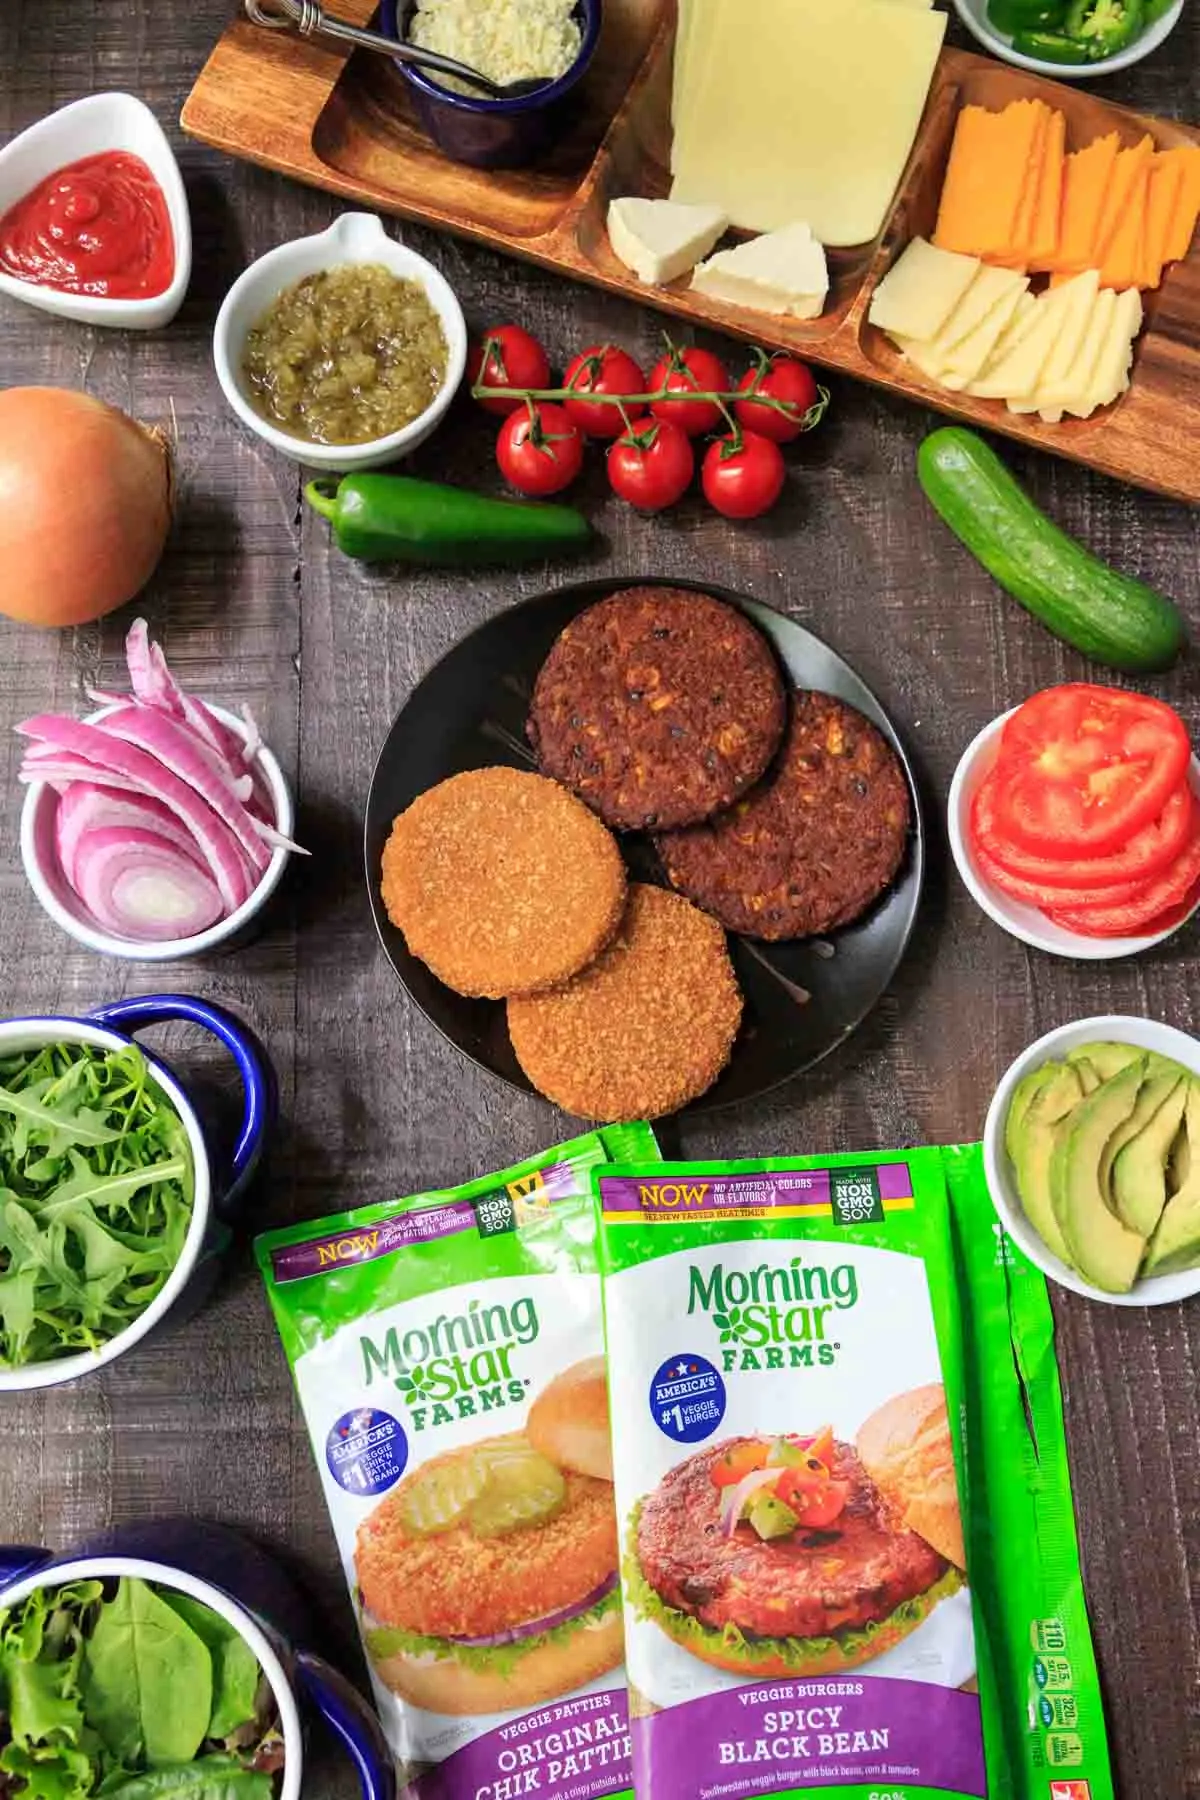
(742, 474)
(783, 379)
(689, 371)
(539, 450)
(601, 369)
(651, 464)
(514, 359)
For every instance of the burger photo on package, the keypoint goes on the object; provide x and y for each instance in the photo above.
(800, 1554)
(488, 1577)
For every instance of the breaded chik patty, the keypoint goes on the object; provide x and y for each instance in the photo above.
(658, 706)
(453, 1584)
(648, 1027)
(853, 1573)
(502, 882)
(816, 841)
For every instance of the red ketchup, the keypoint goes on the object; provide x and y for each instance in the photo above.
(99, 227)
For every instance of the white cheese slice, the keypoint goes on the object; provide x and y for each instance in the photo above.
(1016, 368)
(966, 359)
(1077, 300)
(781, 272)
(803, 110)
(660, 239)
(1065, 387)
(1111, 375)
(921, 290)
(989, 289)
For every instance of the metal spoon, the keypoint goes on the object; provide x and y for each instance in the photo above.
(308, 18)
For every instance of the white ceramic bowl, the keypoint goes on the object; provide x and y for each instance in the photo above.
(88, 128)
(354, 238)
(64, 906)
(973, 14)
(1145, 1034)
(1019, 920)
(104, 1568)
(20, 1035)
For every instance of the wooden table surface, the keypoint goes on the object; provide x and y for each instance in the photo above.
(251, 603)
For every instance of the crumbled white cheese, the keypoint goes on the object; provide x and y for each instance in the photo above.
(506, 40)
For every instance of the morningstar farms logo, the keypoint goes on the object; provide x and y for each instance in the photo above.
(780, 1316)
(457, 1365)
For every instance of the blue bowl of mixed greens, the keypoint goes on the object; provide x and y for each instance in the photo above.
(110, 1195)
(137, 1676)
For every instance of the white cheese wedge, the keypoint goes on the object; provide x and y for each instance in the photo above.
(1064, 387)
(781, 272)
(802, 110)
(921, 290)
(660, 239)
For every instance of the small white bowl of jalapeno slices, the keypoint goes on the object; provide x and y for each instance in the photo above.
(1072, 40)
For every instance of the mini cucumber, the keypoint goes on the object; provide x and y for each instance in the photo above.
(1112, 618)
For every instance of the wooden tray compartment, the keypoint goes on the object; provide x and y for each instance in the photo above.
(345, 123)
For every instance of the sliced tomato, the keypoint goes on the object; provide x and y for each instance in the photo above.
(816, 1503)
(738, 1461)
(1148, 852)
(1135, 917)
(1083, 768)
(1041, 894)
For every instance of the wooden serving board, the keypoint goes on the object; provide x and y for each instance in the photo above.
(344, 122)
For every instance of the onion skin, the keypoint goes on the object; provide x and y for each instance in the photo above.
(85, 506)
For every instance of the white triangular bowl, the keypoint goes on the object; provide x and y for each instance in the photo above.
(88, 128)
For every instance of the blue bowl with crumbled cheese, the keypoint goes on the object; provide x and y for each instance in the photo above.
(508, 40)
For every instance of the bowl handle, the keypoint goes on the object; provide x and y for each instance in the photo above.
(17, 1560)
(351, 1721)
(259, 1088)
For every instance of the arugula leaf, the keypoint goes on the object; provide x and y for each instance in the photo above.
(96, 1189)
(236, 1673)
(147, 1678)
(210, 1778)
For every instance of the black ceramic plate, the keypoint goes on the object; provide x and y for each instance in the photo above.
(802, 998)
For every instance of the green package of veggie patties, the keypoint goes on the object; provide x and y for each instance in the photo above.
(849, 1563)
(448, 1351)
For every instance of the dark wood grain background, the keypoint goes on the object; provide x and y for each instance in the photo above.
(251, 603)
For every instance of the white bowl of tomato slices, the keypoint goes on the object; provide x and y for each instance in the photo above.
(1074, 822)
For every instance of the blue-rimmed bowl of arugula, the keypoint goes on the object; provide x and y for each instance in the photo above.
(168, 1660)
(111, 1194)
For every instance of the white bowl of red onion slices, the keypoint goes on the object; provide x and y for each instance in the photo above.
(159, 826)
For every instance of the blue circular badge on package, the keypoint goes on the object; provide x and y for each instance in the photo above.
(687, 1399)
(366, 1451)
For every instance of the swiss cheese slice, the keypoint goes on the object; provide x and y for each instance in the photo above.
(921, 290)
(782, 272)
(804, 110)
(661, 240)
(1065, 383)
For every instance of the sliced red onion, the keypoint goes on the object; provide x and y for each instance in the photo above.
(733, 1500)
(174, 747)
(88, 807)
(535, 1627)
(140, 887)
(221, 849)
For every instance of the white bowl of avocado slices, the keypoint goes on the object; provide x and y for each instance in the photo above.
(1092, 1154)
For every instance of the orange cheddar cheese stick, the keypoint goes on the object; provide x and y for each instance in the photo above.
(1087, 175)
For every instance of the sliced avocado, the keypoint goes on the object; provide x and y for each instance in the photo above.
(1035, 1136)
(1103, 1249)
(1179, 1167)
(1024, 1094)
(1106, 1059)
(772, 1517)
(1176, 1242)
(1156, 1088)
(1139, 1169)
(785, 1455)
(1089, 1075)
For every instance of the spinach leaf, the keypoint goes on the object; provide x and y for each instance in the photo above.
(236, 1673)
(211, 1778)
(96, 1188)
(147, 1678)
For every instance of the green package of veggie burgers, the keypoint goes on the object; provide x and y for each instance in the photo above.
(448, 1351)
(811, 1361)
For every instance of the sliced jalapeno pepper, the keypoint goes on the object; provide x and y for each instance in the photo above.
(1051, 46)
(1011, 16)
(1104, 26)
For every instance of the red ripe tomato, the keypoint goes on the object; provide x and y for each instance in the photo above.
(539, 450)
(602, 370)
(1130, 918)
(514, 359)
(1042, 895)
(1082, 768)
(1148, 852)
(651, 465)
(688, 372)
(790, 383)
(743, 474)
